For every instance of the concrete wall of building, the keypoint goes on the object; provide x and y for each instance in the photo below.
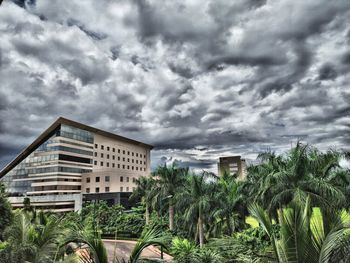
(119, 162)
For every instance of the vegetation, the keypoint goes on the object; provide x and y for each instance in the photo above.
(297, 205)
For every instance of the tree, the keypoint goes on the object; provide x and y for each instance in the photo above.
(170, 180)
(145, 191)
(304, 237)
(5, 211)
(197, 196)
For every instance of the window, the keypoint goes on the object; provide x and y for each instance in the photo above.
(114, 150)
(95, 162)
(132, 160)
(137, 155)
(107, 148)
(137, 168)
(144, 163)
(127, 179)
(121, 189)
(102, 147)
(113, 165)
(101, 163)
(121, 178)
(88, 179)
(144, 156)
(113, 157)
(123, 151)
(137, 161)
(144, 169)
(132, 154)
(101, 155)
(88, 190)
(95, 154)
(133, 179)
(128, 167)
(107, 164)
(134, 188)
(128, 153)
(107, 178)
(127, 188)
(97, 189)
(123, 166)
(97, 179)
(128, 160)
(96, 146)
(107, 189)
(123, 159)
(118, 150)
(118, 158)
(107, 156)
(132, 167)
(118, 165)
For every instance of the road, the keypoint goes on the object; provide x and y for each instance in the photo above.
(124, 248)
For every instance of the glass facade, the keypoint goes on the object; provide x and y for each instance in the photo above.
(52, 159)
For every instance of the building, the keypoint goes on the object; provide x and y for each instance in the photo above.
(70, 163)
(232, 165)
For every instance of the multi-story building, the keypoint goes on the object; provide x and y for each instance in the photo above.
(232, 165)
(71, 162)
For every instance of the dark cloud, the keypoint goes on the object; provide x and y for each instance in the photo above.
(196, 79)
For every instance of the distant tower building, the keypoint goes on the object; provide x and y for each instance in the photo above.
(232, 165)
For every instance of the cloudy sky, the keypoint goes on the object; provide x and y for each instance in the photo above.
(197, 79)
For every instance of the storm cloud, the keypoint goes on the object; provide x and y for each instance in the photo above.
(197, 79)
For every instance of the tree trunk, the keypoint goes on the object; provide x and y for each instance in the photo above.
(229, 227)
(171, 216)
(201, 231)
(147, 214)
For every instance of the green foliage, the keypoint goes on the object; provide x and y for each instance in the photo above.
(6, 215)
(184, 251)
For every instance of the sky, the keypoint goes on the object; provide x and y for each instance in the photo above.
(197, 79)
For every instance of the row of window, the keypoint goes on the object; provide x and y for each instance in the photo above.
(97, 189)
(107, 179)
(118, 157)
(122, 166)
(120, 151)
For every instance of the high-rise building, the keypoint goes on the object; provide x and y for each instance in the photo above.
(232, 165)
(71, 162)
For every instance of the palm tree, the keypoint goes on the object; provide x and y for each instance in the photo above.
(32, 242)
(303, 172)
(304, 237)
(151, 237)
(170, 180)
(229, 198)
(145, 191)
(197, 196)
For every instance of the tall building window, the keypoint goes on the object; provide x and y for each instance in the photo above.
(102, 147)
(88, 179)
(132, 167)
(132, 160)
(97, 179)
(137, 168)
(101, 163)
(121, 178)
(101, 155)
(118, 150)
(123, 159)
(107, 156)
(127, 188)
(127, 179)
(118, 165)
(128, 160)
(106, 189)
(121, 189)
(128, 153)
(128, 167)
(114, 150)
(107, 164)
(113, 157)
(107, 148)
(97, 189)
(88, 190)
(133, 179)
(137, 155)
(95, 162)
(95, 154)
(118, 158)
(96, 145)
(113, 165)
(123, 166)
(107, 178)
(123, 151)
(132, 154)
